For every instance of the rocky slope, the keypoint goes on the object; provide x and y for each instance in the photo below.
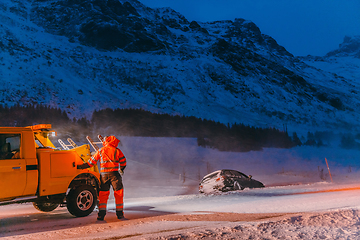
(87, 55)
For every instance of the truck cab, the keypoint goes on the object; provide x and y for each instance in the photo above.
(32, 169)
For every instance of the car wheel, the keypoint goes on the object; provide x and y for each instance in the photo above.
(81, 200)
(45, 207)
(237, 186)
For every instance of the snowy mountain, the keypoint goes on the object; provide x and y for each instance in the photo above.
(83, 56)
(344, 62)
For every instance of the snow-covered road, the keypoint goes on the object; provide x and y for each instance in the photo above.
(154, 217)
(162, 201)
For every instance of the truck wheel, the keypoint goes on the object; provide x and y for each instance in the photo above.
(81, 200)
(45, 207)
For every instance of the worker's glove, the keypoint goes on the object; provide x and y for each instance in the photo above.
(122, 170)
(83, 166)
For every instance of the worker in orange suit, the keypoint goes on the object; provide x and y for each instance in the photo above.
(111, 161)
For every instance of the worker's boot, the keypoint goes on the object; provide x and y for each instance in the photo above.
(120, 214)
(101, 215)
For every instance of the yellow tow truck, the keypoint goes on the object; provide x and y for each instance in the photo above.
(32, 169)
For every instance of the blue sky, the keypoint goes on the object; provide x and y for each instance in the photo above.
(303, 27)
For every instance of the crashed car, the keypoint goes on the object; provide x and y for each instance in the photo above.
(227, 180)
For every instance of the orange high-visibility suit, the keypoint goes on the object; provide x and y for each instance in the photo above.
(111, 161)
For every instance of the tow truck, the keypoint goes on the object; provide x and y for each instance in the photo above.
(33, 170)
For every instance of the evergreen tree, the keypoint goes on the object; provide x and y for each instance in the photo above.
(296, 139)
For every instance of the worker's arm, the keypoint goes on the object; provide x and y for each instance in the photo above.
(83, 166)
(122, 161)
(92, 161)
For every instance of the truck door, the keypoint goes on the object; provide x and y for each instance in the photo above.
(12, 167)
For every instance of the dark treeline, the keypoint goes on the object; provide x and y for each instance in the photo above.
(138, 122)
(238, 137)
(18, 116)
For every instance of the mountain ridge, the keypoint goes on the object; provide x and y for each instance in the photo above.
(227, 71)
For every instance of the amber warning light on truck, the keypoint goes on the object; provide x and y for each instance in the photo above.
(46, 127)
(41, 126)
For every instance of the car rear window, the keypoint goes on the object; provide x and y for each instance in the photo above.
(227, 173)
(209, 177)
(235, 173)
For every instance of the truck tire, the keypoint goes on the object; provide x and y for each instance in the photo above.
(81, 200)
(45, 207)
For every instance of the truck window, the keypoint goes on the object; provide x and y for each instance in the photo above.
(39, 143)
(10, 146)
(209, 177)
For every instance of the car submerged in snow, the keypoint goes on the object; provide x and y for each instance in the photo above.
(227, 180)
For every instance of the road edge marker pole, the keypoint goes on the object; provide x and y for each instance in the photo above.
(328, 169)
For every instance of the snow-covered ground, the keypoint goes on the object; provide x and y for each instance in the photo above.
(160, 203)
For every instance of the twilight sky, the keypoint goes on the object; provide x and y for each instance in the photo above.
(303, 27)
